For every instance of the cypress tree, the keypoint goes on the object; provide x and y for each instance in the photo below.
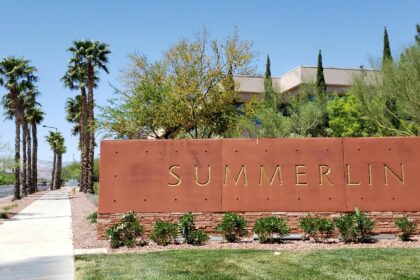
(390, 102)
(387, 50)
(417, 37)
(268, 83)
(268, 68)
(320, 80)
(321, 99)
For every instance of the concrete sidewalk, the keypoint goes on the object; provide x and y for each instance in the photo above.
(37, 242)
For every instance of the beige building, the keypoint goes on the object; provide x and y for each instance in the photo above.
(337, 80)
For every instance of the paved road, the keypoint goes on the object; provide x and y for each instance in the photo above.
(37, 242)
(8, 190)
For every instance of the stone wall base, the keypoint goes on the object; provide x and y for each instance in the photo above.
(384, 221)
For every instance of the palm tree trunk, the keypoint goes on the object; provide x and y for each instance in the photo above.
(24, 158)
(53, 171)
(34, 157)
(91, 128)
(17, 159)
(84, 140)
(29, 157)
(57, 180)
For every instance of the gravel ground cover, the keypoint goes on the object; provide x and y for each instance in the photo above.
(249, 244)
(84, 232)
(85, 237)
(17, 205)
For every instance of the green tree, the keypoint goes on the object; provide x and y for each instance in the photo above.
(71, 171)
(17, 75)
(346, 118)
(387, 49)
(73, 114)
(56, 142)
(303, 118)
(321, 99)
(320, 79)
(6, 164)
(35, 116)
(92, 56)
(417, 37)
(76, 79)
(399, 81)
(269, 92)
(189, 93)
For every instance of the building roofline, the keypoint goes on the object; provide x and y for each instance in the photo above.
(304, 66)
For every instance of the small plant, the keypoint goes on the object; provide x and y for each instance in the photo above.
(232, 227)
(407, 227)
(198, 237)
(125, 233)
(164, 233)
(3, 215)
(355, 227)
(267, 227)
(92, 218)
(345, 225)
(319, 229)
(309, 226)
(189, 232)
(9, 207)
(325, 228)
(364, 226)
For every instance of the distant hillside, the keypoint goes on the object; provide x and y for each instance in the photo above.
(45, 168)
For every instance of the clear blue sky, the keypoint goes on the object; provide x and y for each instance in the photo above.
(348, 32)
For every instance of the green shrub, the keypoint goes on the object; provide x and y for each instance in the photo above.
(267, 227)
(325, 228)
(125, 233)
(189, 232)
(345, 225)
(198, 237)
(164, 233)
(186, 226)
(309, 226)
(7, 178)
(407, 228)
(96, 188)
(232, 227)
(3, 215)
(364, 226)
(319, 229)
(92, 218)
(355, 227)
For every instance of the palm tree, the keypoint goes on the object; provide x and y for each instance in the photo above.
(61, 149)
(29, 101)
(93, 57)
(56, 141)
(76, 78)
(73, 114)
(35, 116)
(16, 75)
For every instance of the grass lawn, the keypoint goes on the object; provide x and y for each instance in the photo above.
(253, 264)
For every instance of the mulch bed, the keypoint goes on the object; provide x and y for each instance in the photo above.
(84, 232)
(286, 245)
(21, 204)
(85, 237)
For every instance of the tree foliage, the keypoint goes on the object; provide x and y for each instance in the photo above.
(398, 81)
(387, 49)
(188, 93)
(346, 118)
(300, 115)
